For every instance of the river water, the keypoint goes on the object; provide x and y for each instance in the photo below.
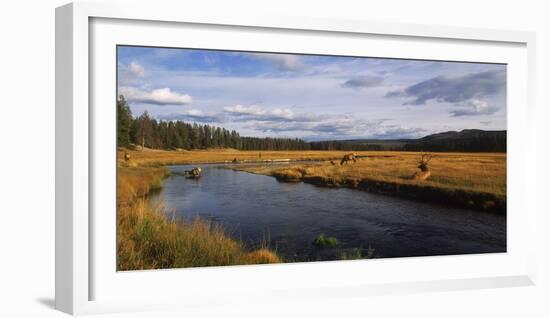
(289, 216)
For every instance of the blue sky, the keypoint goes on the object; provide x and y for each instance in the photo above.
(310, 96)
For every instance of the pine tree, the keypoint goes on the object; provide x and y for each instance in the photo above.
(124, 122)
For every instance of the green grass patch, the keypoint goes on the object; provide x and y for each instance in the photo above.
(325, 241)
(358, 254)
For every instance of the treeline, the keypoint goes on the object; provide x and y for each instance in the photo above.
(254, 143)
(158, 134)
(349, 145)
(468, 140)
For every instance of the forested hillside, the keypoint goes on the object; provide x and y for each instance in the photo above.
(467, 140)
(151, 133)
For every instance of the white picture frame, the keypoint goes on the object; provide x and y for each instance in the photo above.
(83, 285)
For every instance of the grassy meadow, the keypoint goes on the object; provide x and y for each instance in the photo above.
(149, 237)
(151, 157)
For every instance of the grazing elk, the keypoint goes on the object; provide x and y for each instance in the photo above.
(424, 172)
(349, 157)
(332, 162)
(126, 156)
(194, 173)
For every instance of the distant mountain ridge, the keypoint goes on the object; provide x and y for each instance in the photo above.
(467, 140)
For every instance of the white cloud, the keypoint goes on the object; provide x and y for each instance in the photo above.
(257, 113)
(131, 74)
(160, 96)
(285, 122)
(474, 107)
(136, 69)
(341, 127)
(245, 110)
(283, 113)
(478, 104)
(194, 112)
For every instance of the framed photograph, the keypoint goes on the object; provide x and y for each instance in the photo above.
(206, 159)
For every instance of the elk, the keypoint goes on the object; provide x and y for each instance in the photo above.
(126, 156)
(194, 173)
(424, 172)
(349, 157)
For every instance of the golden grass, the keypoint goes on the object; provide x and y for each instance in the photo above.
(134, 182)
(148, 238)
(162, 157)
(472, 172)
(479, 172)
(262, 256)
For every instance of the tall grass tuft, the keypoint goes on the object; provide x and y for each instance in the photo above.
(325, 241)
(358, 254)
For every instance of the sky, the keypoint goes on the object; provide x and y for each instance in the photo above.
(312, 97)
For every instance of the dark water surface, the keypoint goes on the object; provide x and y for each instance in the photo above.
(289, 216)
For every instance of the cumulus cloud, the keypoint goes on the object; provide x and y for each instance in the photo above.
(309, 126)
(130, 74)
(363, 82)
(340, 127)
(136, 69)
(257, 113)
(245, 110)
(454, 89)
(160, 96)
(253, 114)
(284, 120)
(474, 107)
(285, 62)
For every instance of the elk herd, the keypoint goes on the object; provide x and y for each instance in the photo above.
(421, 175)
(348, 158)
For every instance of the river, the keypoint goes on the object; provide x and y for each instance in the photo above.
(289, 216)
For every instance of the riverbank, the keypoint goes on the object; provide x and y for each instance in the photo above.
(149, 238)
(473, 181)
(151, 157)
